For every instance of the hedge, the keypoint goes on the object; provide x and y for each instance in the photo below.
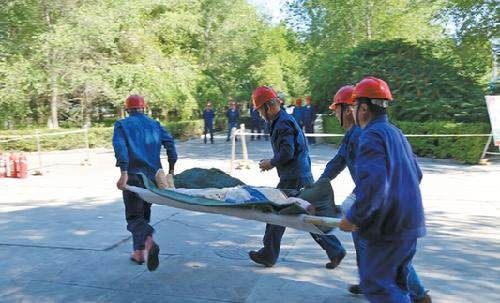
(464, 149)
(98, 137)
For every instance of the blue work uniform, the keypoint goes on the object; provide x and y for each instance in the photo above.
(208, 118)
(291, 159)
(346, 157)
(388, 211)
(256, 123)
(308, 118)
(137, 142)
(297, 115)
(232, 121)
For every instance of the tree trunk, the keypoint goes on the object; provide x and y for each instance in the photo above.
(369, 19)
(53, 121)
(86, 107)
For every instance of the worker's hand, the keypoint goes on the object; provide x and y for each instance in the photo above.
(122, 181)
(347, 226)
(265, 164)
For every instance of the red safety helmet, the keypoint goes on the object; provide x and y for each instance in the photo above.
(261, 95)
(134, 101)
(372, 88)
(343, 96)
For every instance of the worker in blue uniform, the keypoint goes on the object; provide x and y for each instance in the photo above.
(137, 142)
(387, 212)
(308, 118)
(291, 159)
(232, 115)
(208, 119)
(297, 113)
(256, 123)
(345, 157)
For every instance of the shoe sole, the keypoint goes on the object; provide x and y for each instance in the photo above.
(260, 262)
(153, 260)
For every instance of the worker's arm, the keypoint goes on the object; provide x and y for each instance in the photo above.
(120, 147)
(168, 142)
(121, 154)
(336, 165)
(371, 179)
(285, 146)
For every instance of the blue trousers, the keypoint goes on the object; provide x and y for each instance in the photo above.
(137, 214)
(384, 267)
(274, 233)
(309, 128)
(415, 285)
(230, 126)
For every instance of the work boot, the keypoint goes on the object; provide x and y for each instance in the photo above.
(335, 261)
(355, 289)
(257, 258)
(153, 251)
(137, 257)
(425, 299)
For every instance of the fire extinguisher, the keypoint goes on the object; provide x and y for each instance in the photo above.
(12, 166)
(22, 166)
(3, 165)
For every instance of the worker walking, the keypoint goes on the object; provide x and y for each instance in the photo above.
(387, 213)
(208, 118)
(297, 113)
(308, 118)
(342, 105)
(137, 142)
(233, 116)
(291, 160)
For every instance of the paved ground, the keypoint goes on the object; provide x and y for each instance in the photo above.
(63, 238)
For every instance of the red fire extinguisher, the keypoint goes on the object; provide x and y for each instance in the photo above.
(3, 165)
(22, 166)
(12, 166)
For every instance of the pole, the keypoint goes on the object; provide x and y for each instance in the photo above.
(38, 172)
(233, 149)
(243, 143)
(485, 150)
(87, 145)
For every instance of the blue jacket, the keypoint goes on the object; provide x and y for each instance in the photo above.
(254, 114)
(232, 116)
(137, 142)
(308, 114)
(388, 201)
(208, 117)
(346, 155)
(297, 114)
(291, 155)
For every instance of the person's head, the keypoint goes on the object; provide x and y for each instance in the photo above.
(135, 104)
(372, 96)
(232, 105)
(343, 106)
(308, 100)
(209, 104)
(266, 102)
(298, 102)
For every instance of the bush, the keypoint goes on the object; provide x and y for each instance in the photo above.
(464, 149)
(98, 137)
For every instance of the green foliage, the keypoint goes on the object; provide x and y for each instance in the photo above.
(98, 137)
(463, 149)
(426, 88)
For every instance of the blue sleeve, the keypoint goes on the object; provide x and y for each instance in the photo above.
(120, 147)
(371, 179)
(336, 165)
(286, 147)
(168, 142)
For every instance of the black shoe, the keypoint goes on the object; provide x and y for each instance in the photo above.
(153, 260)
(355, 289)
(335, 261)
(257, 258)
(425, 299)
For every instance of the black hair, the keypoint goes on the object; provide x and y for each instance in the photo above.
(135, 110)
(373, 108)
